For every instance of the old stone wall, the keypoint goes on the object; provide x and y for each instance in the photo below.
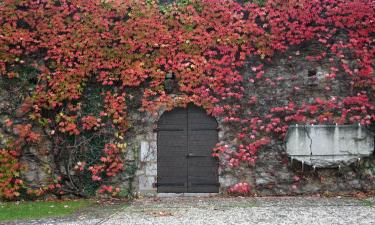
(274, 173)
(37, 162)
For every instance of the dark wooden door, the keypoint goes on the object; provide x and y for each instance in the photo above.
(186, 137)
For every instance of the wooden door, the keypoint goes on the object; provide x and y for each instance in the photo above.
(186, 137)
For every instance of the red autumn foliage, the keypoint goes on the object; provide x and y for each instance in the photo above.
(10, 183)
(133, 44)
(240, 189)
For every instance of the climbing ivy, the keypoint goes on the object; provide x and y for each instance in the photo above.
(118, 46)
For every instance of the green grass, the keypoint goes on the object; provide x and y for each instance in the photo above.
(366, 202)
(39, 209)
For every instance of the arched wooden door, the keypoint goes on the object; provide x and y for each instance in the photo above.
(186, 137)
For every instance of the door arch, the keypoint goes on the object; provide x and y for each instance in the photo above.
(185, 139)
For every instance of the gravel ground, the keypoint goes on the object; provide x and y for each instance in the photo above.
(291, 210)
(220, 210)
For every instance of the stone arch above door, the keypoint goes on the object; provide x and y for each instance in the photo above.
(185, 139)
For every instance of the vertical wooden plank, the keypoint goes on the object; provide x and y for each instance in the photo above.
(202, 137)
(172, 149)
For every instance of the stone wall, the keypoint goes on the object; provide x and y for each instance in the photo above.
(275, 173)
(36, 159)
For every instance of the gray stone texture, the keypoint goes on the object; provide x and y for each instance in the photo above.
(329, 145)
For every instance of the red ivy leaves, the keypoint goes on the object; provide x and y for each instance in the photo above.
(90, 123)
(111, 163)
(240, 189)
(10, 183)
(122, 44)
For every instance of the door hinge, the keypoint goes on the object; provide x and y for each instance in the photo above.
(158, 184)
(205, 184)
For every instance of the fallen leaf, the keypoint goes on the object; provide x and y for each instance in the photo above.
(161, 213)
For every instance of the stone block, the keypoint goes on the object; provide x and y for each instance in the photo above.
(148, 151)
(151, 169)
(146, 183)
(328, 145)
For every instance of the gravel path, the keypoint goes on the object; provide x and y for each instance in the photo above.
(220, 210)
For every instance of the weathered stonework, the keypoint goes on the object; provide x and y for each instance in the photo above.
(274, 173)
(329, 145)
(147, 172)
(36, 159)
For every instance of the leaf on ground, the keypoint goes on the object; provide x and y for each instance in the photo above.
(161, 214)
